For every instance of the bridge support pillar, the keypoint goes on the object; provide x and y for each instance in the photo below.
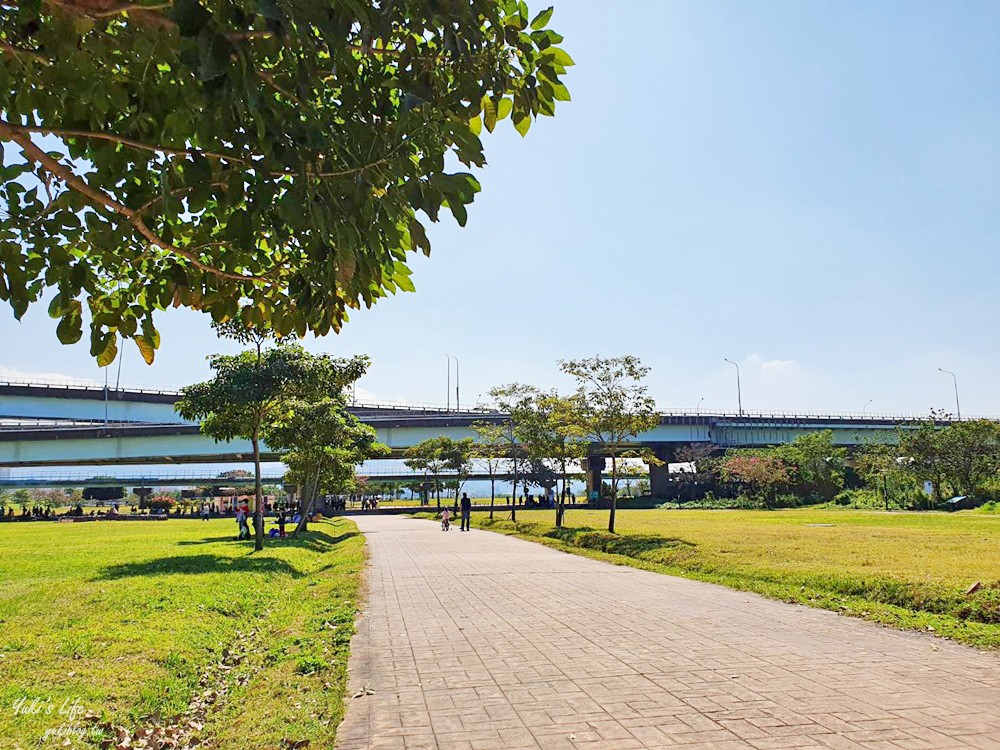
(659, 476)
(593, 466)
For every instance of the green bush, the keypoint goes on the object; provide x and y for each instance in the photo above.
(860, 499)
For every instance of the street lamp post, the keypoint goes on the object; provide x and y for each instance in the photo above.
(954, 378)
(697, 409)
(458, 402)
(864, 408)
(739, 392)
(447, 364)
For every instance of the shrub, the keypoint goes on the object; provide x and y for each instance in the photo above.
(161, 502)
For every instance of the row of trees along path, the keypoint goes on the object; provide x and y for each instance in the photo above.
(542, 434)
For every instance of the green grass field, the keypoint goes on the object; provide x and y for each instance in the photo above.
(909, 570)
(138, 622)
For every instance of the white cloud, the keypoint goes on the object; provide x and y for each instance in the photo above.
(364, 396)
(769, 367)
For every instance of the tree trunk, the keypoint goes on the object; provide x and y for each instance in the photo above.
(308, 505)
(561, 502)
(493, 492)
(614, 494)
(258, 511)
(513, 500)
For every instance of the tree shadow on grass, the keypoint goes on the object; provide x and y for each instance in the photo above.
(317, 539)
(208, 540)
(629, 545)
(198, 565)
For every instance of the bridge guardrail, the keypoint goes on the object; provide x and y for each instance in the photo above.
(92, 386)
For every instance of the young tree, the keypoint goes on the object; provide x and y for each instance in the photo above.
(426, 457)
(489, 449)
(878, 464)
(248, 391)
(516, 402)
(610, 408)
(553, 443)
(458, 455)
(204, 153)
(816, 465)
(325, 444)
(762, 472)
(631, 474)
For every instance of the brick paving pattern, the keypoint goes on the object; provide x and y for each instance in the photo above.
(477, 641)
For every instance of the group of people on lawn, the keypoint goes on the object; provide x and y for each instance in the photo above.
(244, 514)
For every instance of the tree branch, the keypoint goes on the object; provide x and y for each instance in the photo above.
(154, 148)
(179, 191)
(127, 8)
(76, 183)
(269, 80)
(19, 52)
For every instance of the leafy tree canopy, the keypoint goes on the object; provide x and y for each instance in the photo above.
(325, 444)
(249, 387)
(962, 455)
(256, 158)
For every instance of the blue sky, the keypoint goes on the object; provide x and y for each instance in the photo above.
(811, 189)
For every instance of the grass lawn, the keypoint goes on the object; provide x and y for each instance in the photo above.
(140, 621)
(909, 570)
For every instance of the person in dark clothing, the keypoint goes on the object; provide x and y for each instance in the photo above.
(466, 508)
(281, 523)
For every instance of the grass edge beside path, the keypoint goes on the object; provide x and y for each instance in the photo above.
(981, 635)
(176, 633)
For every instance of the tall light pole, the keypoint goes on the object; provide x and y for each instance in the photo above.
(697, 409)
(739, 392)
(447, 364)
(958, 409)
(458, 402)
(867, 404)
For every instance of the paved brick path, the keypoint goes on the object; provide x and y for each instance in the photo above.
(476, 641)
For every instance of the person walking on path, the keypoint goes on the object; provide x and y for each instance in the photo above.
(466, 508)
(445, 520)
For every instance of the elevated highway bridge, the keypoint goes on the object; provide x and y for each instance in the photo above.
(83, 425)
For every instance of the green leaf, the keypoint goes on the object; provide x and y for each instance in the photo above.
(560, 92)
(504, 108)
(70, 328)
(559, 56)
(190, 16)
(401, 276)
(107, 356)
(489, 114)
(459, 212)
(214, 51)
(270, 9)
(522, 123)
(542, 18)
(476, 125)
